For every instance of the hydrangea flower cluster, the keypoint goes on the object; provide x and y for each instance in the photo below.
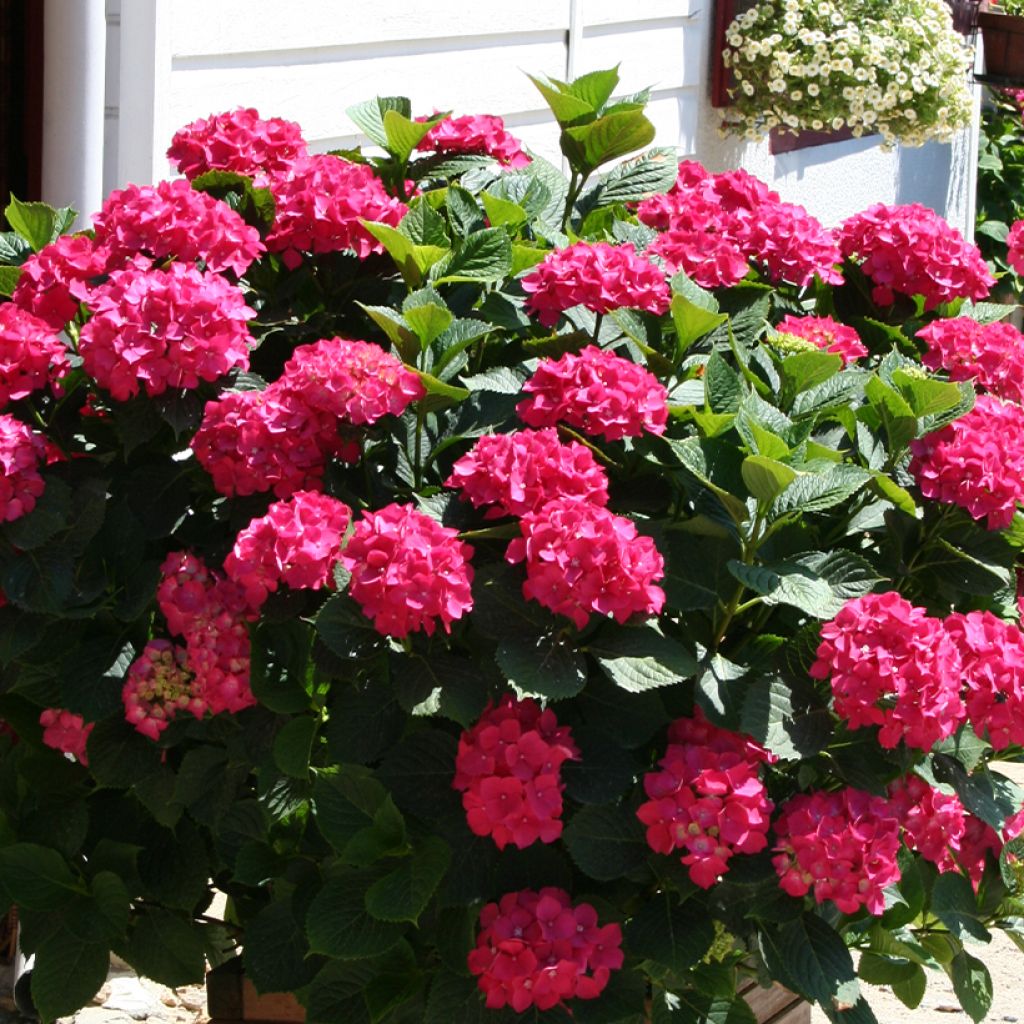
(841, 846)
(708, 799)
(976, 462)
(581, 559)
(320, 203)
(482, 134)
(992, 653)
(508, 769)
(598, 392)
(58, 278)
(891, 664)
(210, 612)
(599, 276)
(67, 732)
(713, 225)
(239, 141)
(254, 441)
(355, 381)
(21, 452)
(164, 329)
(827, 334)
(297, 543)
(989, 355)
(172, 219)
(157, 687)
(1015, 247)
(933, 822)
(519, 472)
(408, 571)
(32, 356)
(281, 439)
(537, 949)
(911, 250)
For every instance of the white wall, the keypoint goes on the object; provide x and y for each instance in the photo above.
(308, 60)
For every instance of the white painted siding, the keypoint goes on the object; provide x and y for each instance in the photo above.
(172, 61)
(310, 59)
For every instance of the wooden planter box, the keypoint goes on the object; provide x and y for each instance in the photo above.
(231, 999)
(1003, 39)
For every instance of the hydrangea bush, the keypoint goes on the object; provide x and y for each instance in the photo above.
(896, 67)
(525, 598)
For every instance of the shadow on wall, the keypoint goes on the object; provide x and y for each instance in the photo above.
(796, 163)
(929, 175)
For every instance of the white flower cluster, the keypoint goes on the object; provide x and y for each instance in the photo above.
(896, 67)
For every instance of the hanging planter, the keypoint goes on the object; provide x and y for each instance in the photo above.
(1002, 33)
(898, 69)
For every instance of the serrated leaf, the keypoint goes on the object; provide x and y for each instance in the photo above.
(605, 842)
(293, 746)
(411, 259)
(648, 175)
(588, 146)
(773, 716)
(956, 906)
(669, 934)
(37, 223)
(404, 135)
(356, 815)
(566, 107)
(9, 277)
(766, 478)
(404, 894)
(972, 984)
(429, 322)
(541, 667)
(692, 322)
(640, 658)
(816, 492)
(369, 116)
(992, 797)
(423, 225)
(338, 924)
(503, 212)
(811, 953)
(483, 256)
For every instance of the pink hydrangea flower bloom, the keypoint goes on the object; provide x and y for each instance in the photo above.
(891, 664)
(171, 219)
(519, 472)
(21, 452)
(827, 334)
(992, 652)
(708, 799)
(296, 543)
(911, 250)
(976, 462)
(508, 769)
(239, 141)
(164, 329)
(67, 732)
(210, 612)
(482, 134)
(58, 278)
(581, 559)
(933, 823)
(356, 381)
(255, 441)
(597, 392)
(157, 687)
(990, 355)
(32, 355)
(713, 225)
(537, 949)
(408, 571)
(840, 846)
(1015, 247)
(597, 275)
(320, 203)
